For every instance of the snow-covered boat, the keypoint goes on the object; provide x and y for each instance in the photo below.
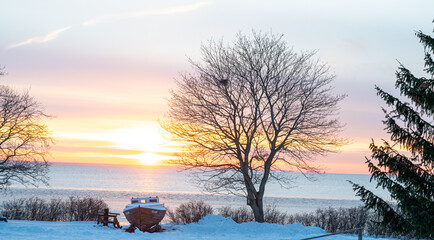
(145, 213)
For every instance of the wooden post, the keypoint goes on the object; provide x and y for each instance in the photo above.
(360, 233)
(105, 219)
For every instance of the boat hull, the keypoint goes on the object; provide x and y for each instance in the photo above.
(144, 218)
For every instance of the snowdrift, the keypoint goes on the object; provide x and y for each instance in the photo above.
(210, 227)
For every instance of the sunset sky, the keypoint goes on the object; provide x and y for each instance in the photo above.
(104, 68)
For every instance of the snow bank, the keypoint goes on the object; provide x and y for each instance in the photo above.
(210, 227)
(217, 226)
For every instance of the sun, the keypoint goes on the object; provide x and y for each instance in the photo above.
(150, 159)
(145, 137)
(136, 143)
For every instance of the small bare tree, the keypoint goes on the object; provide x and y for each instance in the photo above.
(250, 111)
(24, 139)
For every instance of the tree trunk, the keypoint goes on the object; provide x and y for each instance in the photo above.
(255, 201)
(258, 210)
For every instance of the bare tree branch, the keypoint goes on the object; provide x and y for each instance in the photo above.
(24, 139)
(249, 109)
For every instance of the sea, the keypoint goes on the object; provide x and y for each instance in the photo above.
(116, 186)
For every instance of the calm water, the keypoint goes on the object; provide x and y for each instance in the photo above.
(116, 185)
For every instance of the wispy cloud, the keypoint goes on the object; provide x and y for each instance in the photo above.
(164, 11)
(50, 36)
(113, 17)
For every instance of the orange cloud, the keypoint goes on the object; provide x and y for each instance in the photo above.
(95, 150)
(86, 160)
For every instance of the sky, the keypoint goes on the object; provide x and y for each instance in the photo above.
(103, 69)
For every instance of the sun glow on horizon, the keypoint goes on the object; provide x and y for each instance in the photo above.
(141, 142)
(147, 138)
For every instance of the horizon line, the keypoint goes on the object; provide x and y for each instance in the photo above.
(154, 166)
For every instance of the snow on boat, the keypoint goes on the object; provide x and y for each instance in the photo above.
(145, 212)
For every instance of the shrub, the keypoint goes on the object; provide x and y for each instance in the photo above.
(190, 212)
(14, 209)
(56, 209)
(36, 209)
(341, 219)
(84, 209)
(244, 214)
(330, 219)
(72, 209)
(273, 215)
(239, 215)
(333, 220)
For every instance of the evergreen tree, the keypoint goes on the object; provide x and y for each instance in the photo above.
(407, 174)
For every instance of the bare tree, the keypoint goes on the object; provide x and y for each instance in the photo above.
(251, 110)
(24, 139)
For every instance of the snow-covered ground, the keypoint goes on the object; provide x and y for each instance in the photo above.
(211, 227)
